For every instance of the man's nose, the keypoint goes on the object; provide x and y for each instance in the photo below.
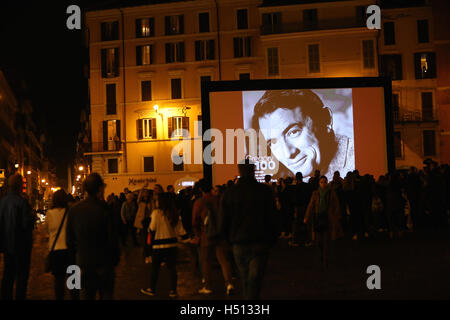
(289, 151)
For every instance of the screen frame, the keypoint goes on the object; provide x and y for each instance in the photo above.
(300, 83)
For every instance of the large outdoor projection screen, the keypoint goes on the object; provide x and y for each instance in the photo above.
(297, 125)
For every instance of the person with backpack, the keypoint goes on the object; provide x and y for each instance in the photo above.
(206, 229)
(324, 211)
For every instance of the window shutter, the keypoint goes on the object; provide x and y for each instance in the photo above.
(118, 129)
(116, 61)
(115, 30)
(248, 49)
(417, 66)
(432, 67)
(180, 52)
(103, 31)
(105, 135)
(168, 53)
(138, 28)
(154, 128)
(170, 126)
(151, 54)
(138, 55)
(103, 57)
(151, 23)
(167, 22)
(140, 134)
(210, 50)
(236, 47)
(186, 126)
(181, 22)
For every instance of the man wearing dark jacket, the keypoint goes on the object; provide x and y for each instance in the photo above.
(92, 235)
(249, 223)
(16, 239)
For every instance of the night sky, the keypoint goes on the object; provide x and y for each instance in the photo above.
(36, 46)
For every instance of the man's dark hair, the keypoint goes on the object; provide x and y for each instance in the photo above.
(93, 184)
(204, 185)
(246, 169)
(299, 176)
(15, 183)
(309, 103)
(60, 199)
(267, 178)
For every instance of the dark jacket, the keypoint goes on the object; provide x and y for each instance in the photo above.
(248, 214)
(16, 224)
(92, 234)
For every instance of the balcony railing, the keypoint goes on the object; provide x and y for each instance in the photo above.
(414, 116)
(303, 27)
(109, 146)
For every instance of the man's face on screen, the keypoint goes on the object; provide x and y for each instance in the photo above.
(292, 140)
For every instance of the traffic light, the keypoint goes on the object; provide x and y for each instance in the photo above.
(24, 185)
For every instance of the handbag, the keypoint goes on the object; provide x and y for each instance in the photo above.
(49, 260)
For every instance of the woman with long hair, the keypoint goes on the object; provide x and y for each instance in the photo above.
(166, 228)
(60, 259)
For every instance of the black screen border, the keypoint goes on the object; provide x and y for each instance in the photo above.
(301, 83)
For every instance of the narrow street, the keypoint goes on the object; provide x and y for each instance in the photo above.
(415, 267)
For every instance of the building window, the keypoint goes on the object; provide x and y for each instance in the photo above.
(174, 25)
(144, 55)
(310, 20)
(146, 90)
(242, 19)
(244, 76)
(149, 165)
(113, 165)
(111, 135)
(272, 61)
(146, 128)
(427, 106)
(176, 125)
(395, 106)
(111, 98)
(391, 66)
(271, 22)
(203, 22)
(242, 47)
(110, 31)
(313, 58)
(425, 65)
(176, 88)
(398, 150)
(389, 33)
(110, 62)
(145, 27)
(422, 31)
(429, 143)
(180, 165)
(204, 50)
(368, 54)
(175, 52)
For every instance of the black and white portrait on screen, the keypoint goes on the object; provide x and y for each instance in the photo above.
(303, 130)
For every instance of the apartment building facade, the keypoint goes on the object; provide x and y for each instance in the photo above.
(141, 100)
(407, 54)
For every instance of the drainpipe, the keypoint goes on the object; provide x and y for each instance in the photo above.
(218, 40)
(124, 122)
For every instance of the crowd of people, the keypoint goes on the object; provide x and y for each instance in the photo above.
(237, 223)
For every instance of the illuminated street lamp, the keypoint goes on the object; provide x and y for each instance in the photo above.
(81, 168)
(16, 165)
(43, 180)
(78, 177)
(28, 172)
(156, 107)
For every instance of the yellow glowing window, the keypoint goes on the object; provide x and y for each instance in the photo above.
(146, 55)
(178, 126)
(424, 63)
(147, 128)
(145, 28)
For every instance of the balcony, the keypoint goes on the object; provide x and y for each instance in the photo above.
(407, 116)
(102, 147)
(304, 27)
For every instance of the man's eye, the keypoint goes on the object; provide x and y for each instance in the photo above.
(294, 132)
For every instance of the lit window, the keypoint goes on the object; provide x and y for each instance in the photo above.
(178, 126)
